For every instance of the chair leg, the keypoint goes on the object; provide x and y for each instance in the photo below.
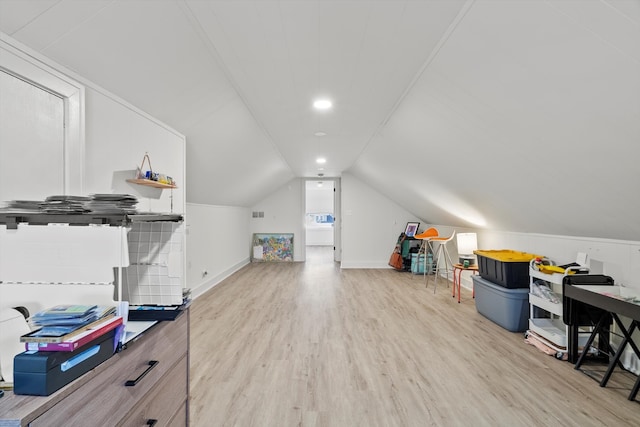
(435, 283)
(447, 258)
(428, 248)
(426, 276)
(426, 281)
(442, 256)
(423, 250)
(436, 272)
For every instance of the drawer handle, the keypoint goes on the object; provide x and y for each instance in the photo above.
(152, 422)
(152, 364)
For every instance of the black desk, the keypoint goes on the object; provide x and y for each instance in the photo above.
(609, 302)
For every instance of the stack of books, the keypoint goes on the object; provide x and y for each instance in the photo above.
(70, 327)
(65, 204)
(112, 203)
(70, 341)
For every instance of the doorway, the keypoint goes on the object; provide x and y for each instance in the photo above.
(320, 220)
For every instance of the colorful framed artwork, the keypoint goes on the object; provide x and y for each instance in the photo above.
(411, 229)
(269, 247)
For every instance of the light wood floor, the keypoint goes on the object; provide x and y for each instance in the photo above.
(288, 344)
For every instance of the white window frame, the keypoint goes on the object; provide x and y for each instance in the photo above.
(20, 61)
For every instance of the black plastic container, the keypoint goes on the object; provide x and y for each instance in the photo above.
(506, 268)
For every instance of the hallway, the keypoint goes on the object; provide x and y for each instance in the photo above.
(319, 255)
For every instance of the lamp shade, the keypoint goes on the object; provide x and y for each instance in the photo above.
(467, 243)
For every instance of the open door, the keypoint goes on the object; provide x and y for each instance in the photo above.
(337, 222)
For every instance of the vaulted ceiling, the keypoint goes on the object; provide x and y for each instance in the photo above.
(519, 115)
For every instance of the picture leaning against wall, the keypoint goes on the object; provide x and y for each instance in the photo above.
(272, 247)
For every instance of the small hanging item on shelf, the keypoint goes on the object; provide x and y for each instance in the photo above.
(150, 177)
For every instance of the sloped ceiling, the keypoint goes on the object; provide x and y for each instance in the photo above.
(512, 115)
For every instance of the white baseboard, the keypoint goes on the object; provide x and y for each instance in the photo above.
(213, 281)
(363, 264)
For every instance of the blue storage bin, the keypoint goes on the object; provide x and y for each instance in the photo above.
(417, 263)
(507, 307)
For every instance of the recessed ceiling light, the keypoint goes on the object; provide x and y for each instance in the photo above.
(320, 133)
(321, 160)
(322, 104)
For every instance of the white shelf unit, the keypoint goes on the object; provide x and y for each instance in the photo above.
(155, 273)
(45, 265)
(552, 328)
(49, 259)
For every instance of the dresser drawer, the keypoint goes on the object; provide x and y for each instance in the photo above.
(164, 401)
(181, 417)
(105, 399)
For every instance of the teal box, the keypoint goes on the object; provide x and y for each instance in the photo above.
(418, 264)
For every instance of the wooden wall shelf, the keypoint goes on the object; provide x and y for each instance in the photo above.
(151, 183)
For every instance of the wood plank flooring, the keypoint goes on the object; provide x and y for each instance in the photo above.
(309, 344)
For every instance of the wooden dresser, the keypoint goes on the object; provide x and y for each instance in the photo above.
(160, 396)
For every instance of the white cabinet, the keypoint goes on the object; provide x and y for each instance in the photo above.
(545, 317)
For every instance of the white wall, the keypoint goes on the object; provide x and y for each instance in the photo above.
(319, 235)
(319, 199)
(112, 135)
(283, 213)
(218, 244)
(371, 224)
(117, 137)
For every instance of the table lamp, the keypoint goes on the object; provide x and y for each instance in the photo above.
(467, 243)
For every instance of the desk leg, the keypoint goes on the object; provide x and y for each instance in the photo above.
(573, 339)
(573, 345)
(453, 291)
(456, 282)
(636, 386)
(473, 288)
(634, 390)
(616, 358)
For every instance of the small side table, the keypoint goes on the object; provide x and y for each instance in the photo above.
(459, 268)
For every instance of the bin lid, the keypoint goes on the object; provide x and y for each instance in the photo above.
(507, 255)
